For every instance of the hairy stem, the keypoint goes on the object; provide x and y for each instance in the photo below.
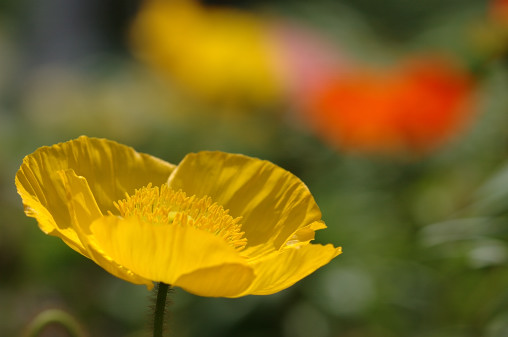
(160, 304)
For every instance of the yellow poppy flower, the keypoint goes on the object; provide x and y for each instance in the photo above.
(217, 224)
(218, 54)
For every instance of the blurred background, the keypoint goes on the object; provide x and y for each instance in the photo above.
(394, 113)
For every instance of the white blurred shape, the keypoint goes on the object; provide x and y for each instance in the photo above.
(487, 253)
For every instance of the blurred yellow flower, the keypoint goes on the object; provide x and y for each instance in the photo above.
(217, 54)
(217, 224)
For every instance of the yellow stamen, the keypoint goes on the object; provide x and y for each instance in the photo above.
(166, 206)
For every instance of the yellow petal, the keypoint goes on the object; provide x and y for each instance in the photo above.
(281, 270)
(44, 199)
(226, 280)
(83, 211)
(83, 208)
(111, 170)
(305, 234)
(195, 260)
(272, 202)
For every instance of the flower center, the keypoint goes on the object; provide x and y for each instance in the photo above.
(165, 206)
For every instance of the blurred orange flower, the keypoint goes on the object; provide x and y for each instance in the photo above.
(499, 11)
(413, 108)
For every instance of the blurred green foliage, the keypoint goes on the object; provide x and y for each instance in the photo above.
(425, 241)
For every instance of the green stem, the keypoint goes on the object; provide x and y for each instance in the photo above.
(160, 304)
(54, 316)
